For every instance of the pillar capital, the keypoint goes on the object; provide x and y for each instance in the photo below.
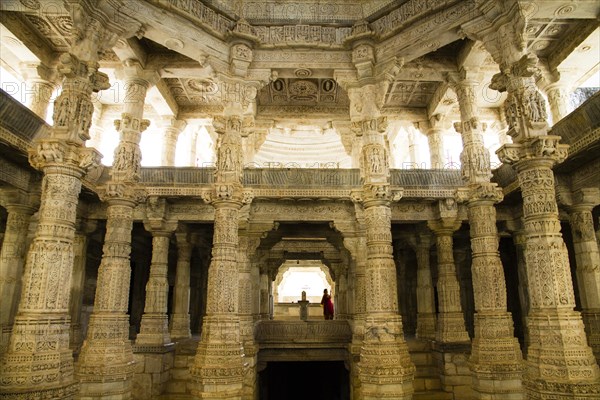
(543, 150)
(586, 199)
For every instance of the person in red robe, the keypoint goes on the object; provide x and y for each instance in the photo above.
(327, 305)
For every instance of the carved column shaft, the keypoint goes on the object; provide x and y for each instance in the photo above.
(475, 158)
(154, 326)
(218, 362)
(426, 320)
(587, 258)
(194, 149)
(493, 324)
(39, 99)
(77, 283)
(558, 345)
(218, 366)
(180, 319)
(41, 81)
(383, 334)
(41, 328)
(171, 134)
(106, 359)
(558, 97)
(12, 260)
(436, 147)
(451, 321)
(264, 295)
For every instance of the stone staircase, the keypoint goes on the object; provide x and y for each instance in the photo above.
(427, 383)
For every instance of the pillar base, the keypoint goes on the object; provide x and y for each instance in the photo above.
(105, 365)
(451, 328)
(180, 327)
(38, 361)
(154, 331)
(385, 370)
(64, 393)
(496, 361)
(218, 370)
(560, 365)
(591, 320)
(426, 326)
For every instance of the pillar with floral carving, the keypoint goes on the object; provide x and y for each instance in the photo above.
(180, 318)
(218, 369)
(38, 361)
(83, 229)
(493, 323)
(106, 358)
(383, 335)
(172, 129)
(560, 364)
(426, 319)
(435, 140)
(20, 206)
(587, 260)
(154, 327)
(451, 321)
(41, 82)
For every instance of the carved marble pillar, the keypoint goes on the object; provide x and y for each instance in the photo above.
(519, 241)
(106, 358)
(97, 127)
(154, 328)
(194, 148)
(218, 369)
(20, 207)
(496, 359)
(341, 299)
(426, 321)
(180, 319)
(264, 294)
(247, 247)
(587, 259)
(84, 228)
(173, 129)
(385, 368)
(558, 98)
(38, 361)
(435, 141)
(41, 81)
(451, 321)
(560, 364)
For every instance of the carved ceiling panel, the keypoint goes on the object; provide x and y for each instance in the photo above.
(410, 93)
(544, 36)
(54, 29)
(193, 91)
(303, 92)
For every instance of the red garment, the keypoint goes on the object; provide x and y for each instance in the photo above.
(327, 306)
